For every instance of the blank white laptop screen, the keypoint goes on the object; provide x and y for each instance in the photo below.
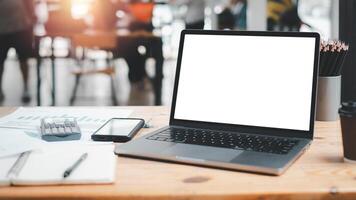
(263, 81)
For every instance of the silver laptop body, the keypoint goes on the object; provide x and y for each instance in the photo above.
(242, 101)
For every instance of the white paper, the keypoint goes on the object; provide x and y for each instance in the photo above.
(89, 119)
(13, 141)
(48, 165)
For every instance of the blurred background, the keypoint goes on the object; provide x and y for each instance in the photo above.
(123, 52)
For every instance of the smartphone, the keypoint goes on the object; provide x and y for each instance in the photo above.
(118, 130)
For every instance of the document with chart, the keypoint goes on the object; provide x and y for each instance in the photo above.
(89, 119)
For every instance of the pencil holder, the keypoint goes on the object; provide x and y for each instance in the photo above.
(328, 98)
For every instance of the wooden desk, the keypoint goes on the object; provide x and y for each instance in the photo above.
(319, 174)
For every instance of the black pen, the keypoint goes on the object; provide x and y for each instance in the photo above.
(75, 165)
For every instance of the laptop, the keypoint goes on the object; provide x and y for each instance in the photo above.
(242, 101)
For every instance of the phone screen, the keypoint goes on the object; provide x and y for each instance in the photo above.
(119, 127)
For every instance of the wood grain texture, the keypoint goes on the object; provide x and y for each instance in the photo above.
(319, 174)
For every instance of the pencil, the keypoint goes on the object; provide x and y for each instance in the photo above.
(342, 61)
(332, 57)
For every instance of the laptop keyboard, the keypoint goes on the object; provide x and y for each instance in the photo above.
(239, 141)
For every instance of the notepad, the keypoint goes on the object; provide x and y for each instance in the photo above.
(46, 167)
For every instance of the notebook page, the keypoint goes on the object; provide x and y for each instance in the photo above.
(47, 166)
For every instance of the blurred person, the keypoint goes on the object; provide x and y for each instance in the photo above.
(226, 19)
(141, 13)
(233, 16)
(283, 15)
(292, 20)
(140, 44)
(195, 15)
(17, 18)
(239, 10)
(275, 9)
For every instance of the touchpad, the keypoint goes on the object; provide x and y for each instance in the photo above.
(202, 152)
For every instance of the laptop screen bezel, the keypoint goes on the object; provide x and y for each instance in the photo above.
(244, 128)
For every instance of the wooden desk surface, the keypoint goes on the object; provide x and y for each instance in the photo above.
(319, 174)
